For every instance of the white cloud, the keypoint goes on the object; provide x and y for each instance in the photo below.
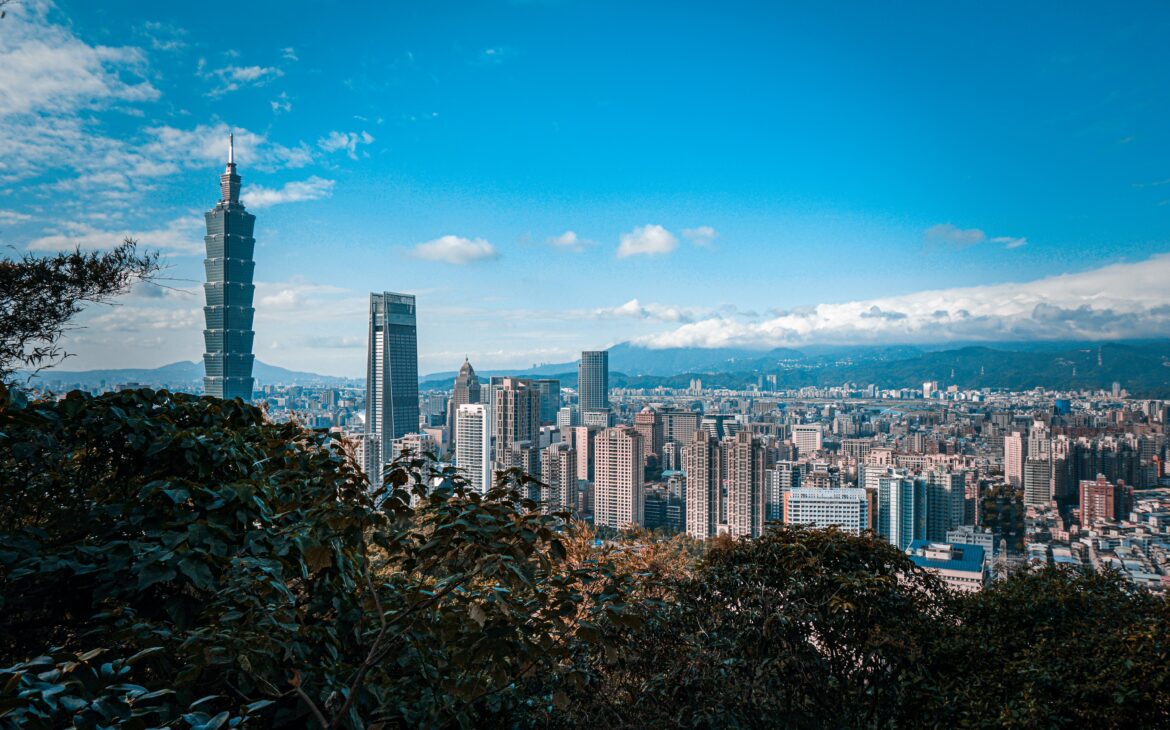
(289, 54)
(1010, 242)
(570, 241)
(348, 141)
(48, 69)
(314, 188)
(651, 312)
(1119, 301)
(951, 235)
(281, 104)
(455, 250)
(207, 144)
(233, 78)
(181, 236)
(646, 240)
(703, 236)
(10, 217)
(955, 236)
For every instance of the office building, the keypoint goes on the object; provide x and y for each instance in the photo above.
(846, 509)
(901, 509)
(392, 368)
(648, 423)
(550, 398)
(593, 382)
(1015, 451)
(228, 314)
(808, 438)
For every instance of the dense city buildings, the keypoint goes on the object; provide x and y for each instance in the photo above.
(229, 291)
(392, 404)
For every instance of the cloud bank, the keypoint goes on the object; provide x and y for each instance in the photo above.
(1120, 301)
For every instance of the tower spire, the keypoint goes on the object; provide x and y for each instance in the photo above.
(231, 148)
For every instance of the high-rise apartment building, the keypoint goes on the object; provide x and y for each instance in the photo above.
(1103, 501)
(702, 461)
(901, 509)
(946, 503)
(1037, 481)
(679, 426)
(617, 484)
(392, 368)
(515, 413)
(228, 335)
(473, 455)
(593, 382)
(558, 469)
(648, 423)
(782, 477)
(743, 512)
(1015, 451)
(466, 390)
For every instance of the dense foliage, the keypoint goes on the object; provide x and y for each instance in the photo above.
(167, 560)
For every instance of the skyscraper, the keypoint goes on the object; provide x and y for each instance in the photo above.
(1015, 452)
(593, 382)
(746, 468)
(228, 336)
(392, 368)
(558, 470)
(466, 391)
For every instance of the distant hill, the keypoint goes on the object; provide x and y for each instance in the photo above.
(184, 375)
(1142, 367)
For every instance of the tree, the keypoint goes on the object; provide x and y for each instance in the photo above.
(800, 628)
(181, 561)
(39, 295)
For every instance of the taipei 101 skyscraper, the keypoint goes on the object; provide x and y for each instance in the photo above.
(229, 291)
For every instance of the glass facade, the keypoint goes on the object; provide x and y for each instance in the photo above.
(228, 314)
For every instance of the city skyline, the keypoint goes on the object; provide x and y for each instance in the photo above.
(800, 180)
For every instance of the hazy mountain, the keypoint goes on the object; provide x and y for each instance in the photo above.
(183, 375)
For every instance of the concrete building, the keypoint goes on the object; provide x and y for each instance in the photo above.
(847, 508)
(782, 477)
(743, 510)
(558, 469)
(960, 567)
(515, 413)
(648, 423)
(1015, 451)
(808, 437)
(466, 390)
(473, 445)
(1103, 501)
(702, 467)
(618, 473)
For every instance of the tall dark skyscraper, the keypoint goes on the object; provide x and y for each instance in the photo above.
(593, 381)
(392, 369)
(229, 291)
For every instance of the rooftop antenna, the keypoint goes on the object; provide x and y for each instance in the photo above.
(231, 148)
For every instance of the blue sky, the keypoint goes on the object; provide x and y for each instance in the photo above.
(555, 176)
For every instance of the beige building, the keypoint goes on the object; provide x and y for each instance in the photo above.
(617, 483)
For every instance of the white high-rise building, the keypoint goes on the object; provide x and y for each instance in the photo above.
(618, 472)
(847, 509)
(1015, 451)
(473, 445)
(808, 437)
